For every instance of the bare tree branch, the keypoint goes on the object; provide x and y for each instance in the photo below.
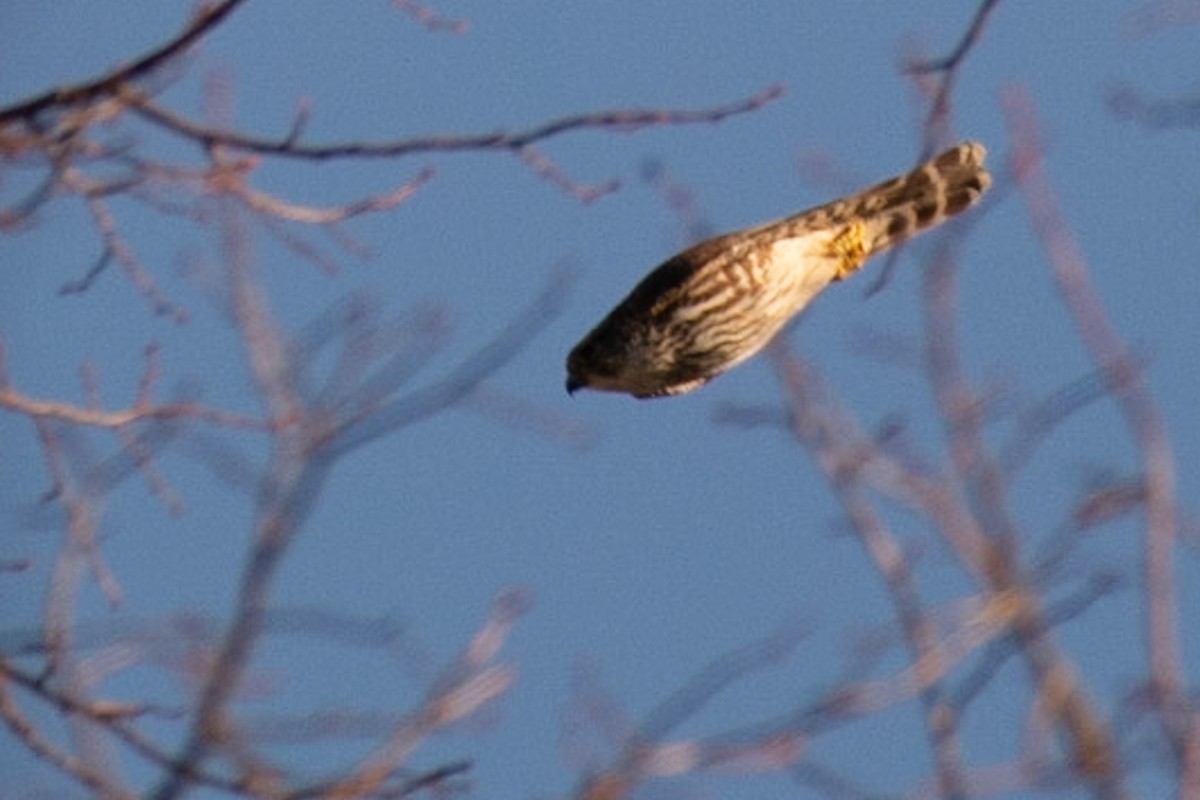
(946, 71)
(112, 83)
(1070, 272)
(622, 120)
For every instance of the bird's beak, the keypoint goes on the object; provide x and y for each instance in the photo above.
(573, 384)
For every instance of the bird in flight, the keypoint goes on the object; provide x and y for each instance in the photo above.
(719, 302)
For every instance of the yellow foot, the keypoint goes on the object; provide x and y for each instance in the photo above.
(850, 249)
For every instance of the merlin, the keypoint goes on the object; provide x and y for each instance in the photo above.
(719, 302)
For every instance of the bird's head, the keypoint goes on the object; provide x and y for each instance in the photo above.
(596, 363)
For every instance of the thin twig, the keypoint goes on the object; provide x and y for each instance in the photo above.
(946, 71)
(111, 83)
(625, 120)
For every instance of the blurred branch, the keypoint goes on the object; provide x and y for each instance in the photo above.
(116, 718)
(852, 464)
(115, 249)
(25, 731)
(268, 205)
(472, 681)
(432, 21)
(291, 482)
(549, 171)
(518, 413)
(680, 200)
(826, 436)
(1156, 16)
(994, 555)
(302, 458)
(463, 379)
(643, 755)
(1034, 424)
(1129, 392)
(1128, 103)
(785, 740)
(143, 409)
(76, 415)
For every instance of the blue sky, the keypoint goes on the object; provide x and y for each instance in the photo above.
(670, 540)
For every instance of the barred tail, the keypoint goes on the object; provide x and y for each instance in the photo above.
(901, 208)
